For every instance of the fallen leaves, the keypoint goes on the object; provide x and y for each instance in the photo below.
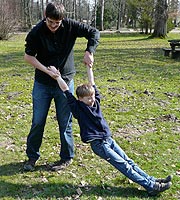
(178, 172)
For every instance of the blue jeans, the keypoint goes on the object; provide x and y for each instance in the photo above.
(110, 151)
(42, 97)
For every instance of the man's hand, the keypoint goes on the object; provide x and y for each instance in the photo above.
(53, 72)
(88, 59)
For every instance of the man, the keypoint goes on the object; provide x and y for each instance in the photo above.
(50, 43)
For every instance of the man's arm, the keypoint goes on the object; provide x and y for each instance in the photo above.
(90, 75)
(35, 63)
(92, 43)
(62, 84)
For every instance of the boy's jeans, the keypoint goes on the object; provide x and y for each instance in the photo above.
(109, 150)
(42, 97)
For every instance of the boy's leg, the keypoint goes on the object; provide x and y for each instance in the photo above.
(105, 149)
(135, 167)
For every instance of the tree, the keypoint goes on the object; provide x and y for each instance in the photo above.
(7, 21)
(26, 14)
(141, 11)
(102, 16)
(173, 9)
(161, 17)
(121, 14)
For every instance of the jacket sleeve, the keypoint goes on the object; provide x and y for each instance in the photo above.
(72, 102)
(31, 43)
(89, 32)
(97, 94)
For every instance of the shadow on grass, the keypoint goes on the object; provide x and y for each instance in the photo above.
(56, 190)
(62, 190)
(10, 169)
(15, 168)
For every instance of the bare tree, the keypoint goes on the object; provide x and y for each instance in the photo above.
(95, 12)
(102, 16)
(121, 13)
(7, 20)
(74, 9)
(42, 9)
(26, 14)
(173, 10)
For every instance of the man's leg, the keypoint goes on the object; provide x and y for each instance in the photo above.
(41, 104)
(64, 117)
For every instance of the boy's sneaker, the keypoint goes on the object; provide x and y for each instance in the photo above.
(164, 180)
(159, 187)
(62, 164)
(30, 165)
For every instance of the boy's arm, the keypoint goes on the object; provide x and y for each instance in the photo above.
(90, 75)
(62, 84)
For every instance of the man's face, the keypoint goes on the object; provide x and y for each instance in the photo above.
(52, 24)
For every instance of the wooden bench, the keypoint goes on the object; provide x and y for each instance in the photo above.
(174, 53)
(166, 51)
(174, 44)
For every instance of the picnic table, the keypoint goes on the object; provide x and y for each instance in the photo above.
(175, 52)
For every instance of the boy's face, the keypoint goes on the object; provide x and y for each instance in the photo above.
(88, 100)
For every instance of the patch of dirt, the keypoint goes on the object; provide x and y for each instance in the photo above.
(169, 117)
(130, 132)
(2, 87)
(171, 94)
(134, 131)
(6, 142)
(12, 95)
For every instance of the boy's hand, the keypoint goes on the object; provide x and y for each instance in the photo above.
(54, 73)
(88, 59)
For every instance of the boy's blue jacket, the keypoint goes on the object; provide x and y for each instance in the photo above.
(90, 119)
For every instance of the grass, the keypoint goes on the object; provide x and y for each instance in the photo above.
(140, 100)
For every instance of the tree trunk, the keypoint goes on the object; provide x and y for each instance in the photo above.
(42, 9)
(161, 16)
(95, 13)
(121, 14)
(102, 16)
(74, 9)
(27, 23)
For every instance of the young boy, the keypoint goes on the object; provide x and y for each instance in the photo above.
(95, 130)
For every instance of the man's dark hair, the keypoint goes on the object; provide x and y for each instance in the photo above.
(55, 10)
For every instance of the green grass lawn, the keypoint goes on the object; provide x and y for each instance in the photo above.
(140, 100)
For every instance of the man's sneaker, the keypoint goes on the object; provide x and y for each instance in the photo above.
(30, 165)
(164, 180)
(159, 187)
(62, 164)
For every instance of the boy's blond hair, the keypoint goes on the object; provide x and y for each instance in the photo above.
(85, 90)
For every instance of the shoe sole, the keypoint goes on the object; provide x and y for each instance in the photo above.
(60, 167)
(165, 180)
(154, 193)
(29, 168)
